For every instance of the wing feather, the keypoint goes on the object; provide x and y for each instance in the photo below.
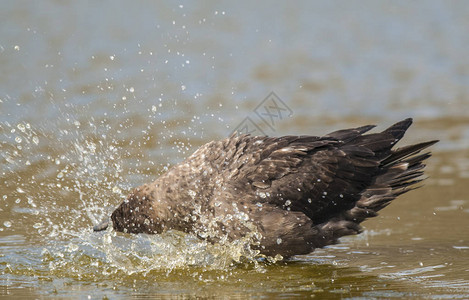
(318, 176)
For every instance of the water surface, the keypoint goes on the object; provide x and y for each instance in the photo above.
(96, 98)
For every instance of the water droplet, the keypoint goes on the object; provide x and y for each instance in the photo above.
(72, 247)
(183, 87)
(60, 175)
(131, 89)
(35, 140)
(17, 48)
(7, 224)
(287, 203)
(21, 127)
(18, 139)
(20, 190)
(279, 241)
(31, 202)
(116, 189)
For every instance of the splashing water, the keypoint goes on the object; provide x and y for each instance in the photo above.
(79, 187)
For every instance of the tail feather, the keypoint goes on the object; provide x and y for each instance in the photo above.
(404, 152)
(401, 171)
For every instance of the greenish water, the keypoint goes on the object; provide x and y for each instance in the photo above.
(96, 98)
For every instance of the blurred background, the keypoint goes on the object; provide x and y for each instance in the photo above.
(99, 96)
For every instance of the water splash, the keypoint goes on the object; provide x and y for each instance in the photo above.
(64, 185)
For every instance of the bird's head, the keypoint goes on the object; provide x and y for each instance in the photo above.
(136, 214)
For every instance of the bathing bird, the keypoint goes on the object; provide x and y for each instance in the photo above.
(289, 194)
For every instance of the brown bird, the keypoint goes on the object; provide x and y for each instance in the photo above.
(289, 194)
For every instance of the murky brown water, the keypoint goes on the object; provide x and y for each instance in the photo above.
(96, 98)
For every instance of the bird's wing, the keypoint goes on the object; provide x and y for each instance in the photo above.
(319, 176)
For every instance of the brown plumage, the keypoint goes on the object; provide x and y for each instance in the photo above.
(292, 194)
